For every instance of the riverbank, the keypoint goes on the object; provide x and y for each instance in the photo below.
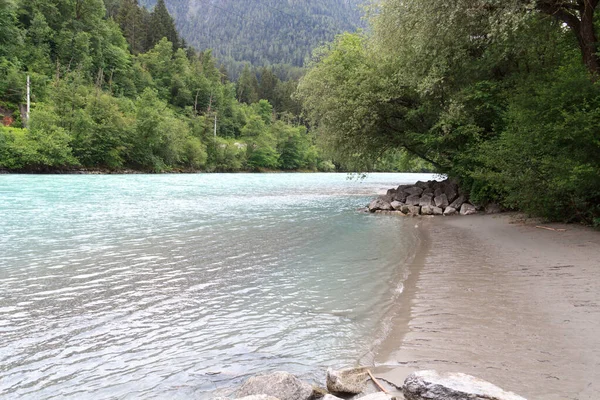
(502, 299)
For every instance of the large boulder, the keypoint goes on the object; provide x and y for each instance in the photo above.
(427, 210)
(426, 200)
(460, 200)
(468, 209)
(422, 185)
(441, 201)
(450, 211)
(431, 385)
(438, 192)
(413, 200)
(438, 211)
(377, 396)
(331, 397)
(400, 196)
(351, 380)
(451, 191)
(282, 385)
(379, 205)
(396, 205)
(413, 190)
(411, 210)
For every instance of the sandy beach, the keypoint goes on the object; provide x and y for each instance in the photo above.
(502, 299)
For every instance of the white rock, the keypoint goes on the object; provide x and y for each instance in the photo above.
(351, 380)
(281, 385)
(431, 385)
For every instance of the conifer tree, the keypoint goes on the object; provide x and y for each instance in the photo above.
(131, 20)
(162, 25)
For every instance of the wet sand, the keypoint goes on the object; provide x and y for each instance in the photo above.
(500, 299)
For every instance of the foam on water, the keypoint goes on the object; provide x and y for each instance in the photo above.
(146, 286)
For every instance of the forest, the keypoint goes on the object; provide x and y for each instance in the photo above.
(262, 33)
(113, 86)
(502, 95)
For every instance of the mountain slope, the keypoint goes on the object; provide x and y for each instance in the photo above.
(262, 32)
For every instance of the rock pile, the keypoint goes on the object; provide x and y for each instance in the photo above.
(420, 385)
(428, 198)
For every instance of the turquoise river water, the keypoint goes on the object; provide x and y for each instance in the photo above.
(182, 286)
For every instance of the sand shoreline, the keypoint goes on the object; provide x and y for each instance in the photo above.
(498, 298)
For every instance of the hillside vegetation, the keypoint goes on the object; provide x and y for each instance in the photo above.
(504, 96)
(262, 32)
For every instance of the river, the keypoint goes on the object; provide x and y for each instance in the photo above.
(182, 286)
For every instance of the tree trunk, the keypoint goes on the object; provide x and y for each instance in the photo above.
(587, 38)
(580, 21)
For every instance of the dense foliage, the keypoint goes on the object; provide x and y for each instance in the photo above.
(114, 87)
(262, 32)
(502, 95)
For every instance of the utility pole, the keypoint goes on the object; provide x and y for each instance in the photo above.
(28, 101)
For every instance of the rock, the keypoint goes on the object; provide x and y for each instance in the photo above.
(468, 209)
(379, 204)
(387, 198)
(427, 210)
(438, 211)
(396, 205)
(441, 201)
(493, 208)
(282, 385)
(377, 396)
(330, 397)
(426, 200)
(413, 200)
(391, 193)
(400, 196)
(451, 191)
(413, 190)
(258, 397)
(351, 380)
(438, 192)
(457, 204)
(411, 210)
(431, 385)
(422, 185)
(450, 211)
(428, 191)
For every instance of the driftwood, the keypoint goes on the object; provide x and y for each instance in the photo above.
(551, 229)
(376, 382)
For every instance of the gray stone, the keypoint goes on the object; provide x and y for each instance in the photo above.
(413, 190)
(457, 204)
(400, 196)
(379, 204)
(468, 209)
(431, 385)
(427, 210)
(387, 198)
(351, 380)
(413, 200)
(438, 192)
(330, 397)
(258, 397)
(441, 201)
(427, 191)
(281, 385)
(422, 185)
(413, 210)
(391, 193)
(377, 396)
(450, 211)
(426, 200)
(451, 191)
(396, 205)
(438, 211)
(493, 208)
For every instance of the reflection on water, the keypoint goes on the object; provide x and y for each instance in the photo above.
(182, 285)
